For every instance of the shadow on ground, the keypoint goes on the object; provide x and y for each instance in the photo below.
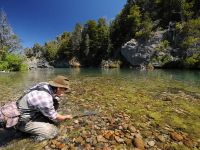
(8, 135)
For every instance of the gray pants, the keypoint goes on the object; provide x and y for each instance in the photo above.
(41, 130)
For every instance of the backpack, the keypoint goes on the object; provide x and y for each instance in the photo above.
(9, 115)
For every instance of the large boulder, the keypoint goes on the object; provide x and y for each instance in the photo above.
(35, 63)
(141, 53)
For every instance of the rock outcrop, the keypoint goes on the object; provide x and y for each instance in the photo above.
(142, 53)
(35, 63)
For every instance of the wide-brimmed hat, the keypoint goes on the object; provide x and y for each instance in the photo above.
(60, 81)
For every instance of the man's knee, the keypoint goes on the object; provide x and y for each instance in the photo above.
(41, 129)
(51, 132)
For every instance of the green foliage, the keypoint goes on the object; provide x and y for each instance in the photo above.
(163, 46)
(64, 50)
(192, 27)
(145, 29)
(134, 19)
(162, 60)
(179, 26)
(51, 50)
(190, 41)
(13, 62)
(23, 67)
(4, 65)
(95, 41)
(191, 61)
(76, 39)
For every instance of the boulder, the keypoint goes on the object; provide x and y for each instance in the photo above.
(139, 53)
(35, 63)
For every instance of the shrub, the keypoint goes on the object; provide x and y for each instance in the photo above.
(191, 61)
(3, 65)
(13, 62)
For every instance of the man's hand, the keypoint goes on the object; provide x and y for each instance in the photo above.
(63, 117)
(68, 116)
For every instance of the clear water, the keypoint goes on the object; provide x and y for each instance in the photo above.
(13, 83)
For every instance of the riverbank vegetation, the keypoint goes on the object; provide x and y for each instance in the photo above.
(101, 40)
(9, 44)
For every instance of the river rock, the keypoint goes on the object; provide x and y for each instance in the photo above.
(80, 140)
(106, 147)
(138, 143)
(151, 143)
(161, 138)
(128, 141)
(76, 121)
(175, 136)
(119, 140)
(132, 128)
(100, 138)
(188, 143)
(87, 147)
(108, 134)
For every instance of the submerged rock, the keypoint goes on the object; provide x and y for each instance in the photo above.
(176, 136)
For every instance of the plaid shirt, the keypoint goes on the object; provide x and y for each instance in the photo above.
(42, 101)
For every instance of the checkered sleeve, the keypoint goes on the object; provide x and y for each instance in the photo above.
(44, 102)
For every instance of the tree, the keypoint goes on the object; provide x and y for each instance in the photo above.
(87, 45)
(102, 40)
(76, 40)
(8, 40)
(51, 50)
(89, 32)
(146, 28)
(125, 25)
(64, 50)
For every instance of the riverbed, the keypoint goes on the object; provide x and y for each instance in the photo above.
(158, 103)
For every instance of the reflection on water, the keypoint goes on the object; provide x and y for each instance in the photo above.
(15, 82)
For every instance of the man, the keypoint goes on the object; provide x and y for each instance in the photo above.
(38, 108)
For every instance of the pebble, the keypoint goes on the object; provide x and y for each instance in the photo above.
(76, 121)
(151, 143)
(119, 140)
(100, 138)
(161, 138)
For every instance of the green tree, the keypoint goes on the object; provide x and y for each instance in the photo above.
(51, 50)
(102, 40)
(124, 26)
(64, 50)
(38, 50)
(76, 39)
(87, 45)
(90, 29)
(145, 28)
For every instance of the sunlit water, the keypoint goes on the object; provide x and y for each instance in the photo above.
(13, 83)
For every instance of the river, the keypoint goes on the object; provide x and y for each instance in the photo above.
(156, 100)
(15, 82)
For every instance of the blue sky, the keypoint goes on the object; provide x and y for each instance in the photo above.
(39, 21)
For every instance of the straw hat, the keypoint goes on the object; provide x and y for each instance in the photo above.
(60, 81)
